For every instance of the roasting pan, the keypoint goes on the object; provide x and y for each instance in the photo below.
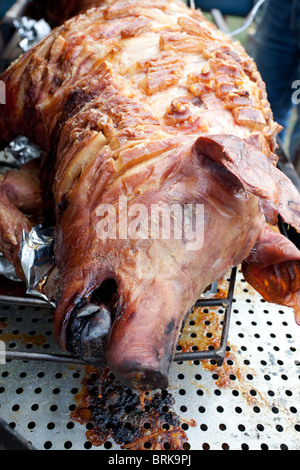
(234, 381)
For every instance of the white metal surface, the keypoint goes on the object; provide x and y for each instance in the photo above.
(252, 402)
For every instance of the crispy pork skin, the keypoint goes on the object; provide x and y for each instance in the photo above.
(141, 105)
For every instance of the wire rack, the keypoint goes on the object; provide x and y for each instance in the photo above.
(216, 354)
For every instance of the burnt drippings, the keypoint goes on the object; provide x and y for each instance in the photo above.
(135, 422)
(203, 332)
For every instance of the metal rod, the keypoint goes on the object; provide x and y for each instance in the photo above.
(212, 303)
(195, 355)
(24, 356)
(217, 354)
(219, 20)
(249, 20)
(225, 331)
(65, 359)
(26, 301)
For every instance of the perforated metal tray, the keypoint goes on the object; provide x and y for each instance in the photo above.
(251, 402)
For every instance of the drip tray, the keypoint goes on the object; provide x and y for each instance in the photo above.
(250, 403)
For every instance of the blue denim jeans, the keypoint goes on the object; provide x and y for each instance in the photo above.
(277, 55)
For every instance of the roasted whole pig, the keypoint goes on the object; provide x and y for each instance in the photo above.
(146, 104)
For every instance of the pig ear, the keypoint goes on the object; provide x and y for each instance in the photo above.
(257, 174)
(273, 269)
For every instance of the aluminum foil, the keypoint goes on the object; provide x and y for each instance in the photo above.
(19, 152)
(37, 259)
(31, 31)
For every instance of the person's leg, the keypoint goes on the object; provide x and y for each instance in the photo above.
(276, 56)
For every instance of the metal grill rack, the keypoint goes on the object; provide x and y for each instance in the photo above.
(251, 402)
(216, 354)
(10, 439)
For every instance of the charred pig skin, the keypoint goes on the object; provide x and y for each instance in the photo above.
(148, 102)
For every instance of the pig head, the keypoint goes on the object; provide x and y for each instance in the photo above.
(154, 281)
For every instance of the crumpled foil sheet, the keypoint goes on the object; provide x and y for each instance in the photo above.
(19, 152)
(37, 259)
(30, 31)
